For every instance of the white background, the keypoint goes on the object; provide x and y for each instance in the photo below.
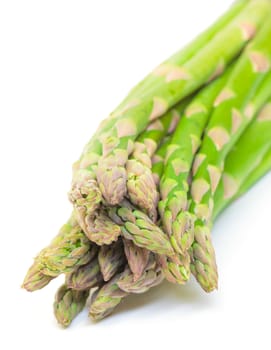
(64, 65)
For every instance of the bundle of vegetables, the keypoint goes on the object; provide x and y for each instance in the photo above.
(189, 139)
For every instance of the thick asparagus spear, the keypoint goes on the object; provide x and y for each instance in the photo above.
(186, 139)
(140, 183)
(246, 91)
(246, 157)
(173, 83)
(68, 303)
(111, 259)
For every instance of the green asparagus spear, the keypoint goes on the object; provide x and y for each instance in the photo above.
(137, 258)
(140, 183)
(247, 89)
(34, 279)
(111, 294)
(107, 298)
(67, 251)
(68, 303)
(85, 277)
(151, 277)
(111, 259)
(186, 139)
(137, 227)
(173, 83)
(250, 151)
(101, 229)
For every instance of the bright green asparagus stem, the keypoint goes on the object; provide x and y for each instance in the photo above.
(241, 98)
(138, 227)
(262, 169)
(186, 139)
(190, 50)
(158, 161)
(68, 303)
(140, 183)
(85, 277)
(67, 251)
(244, 159)
(172, 84)
(137, 258)
(111, 259)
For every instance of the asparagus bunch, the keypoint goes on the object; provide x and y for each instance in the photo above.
(188, 140)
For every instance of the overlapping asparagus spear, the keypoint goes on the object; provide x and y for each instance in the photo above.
(235, 107)
(249, 154)
(140, 183)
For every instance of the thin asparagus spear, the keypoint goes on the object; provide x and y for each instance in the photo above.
(140, 183)
(107, 298)
(262, 169)
(85, 277)
(111, 259)
(244, 94)
(250, 151)
(101, 229)
(67, 251)
(173, 83)
(151, 277)
(34, 279)
(137, 258)
(110, 295)
(137, 226)
(68, 304)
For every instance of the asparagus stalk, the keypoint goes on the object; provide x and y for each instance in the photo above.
(173, 83)
(68, 303)
(186, 139)
(262, 169)
(246, 91)
(158, 161)
(85, 277)
(247, 156)
(111, 259)
(140, 183)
